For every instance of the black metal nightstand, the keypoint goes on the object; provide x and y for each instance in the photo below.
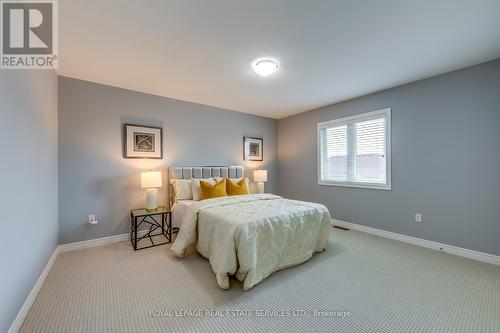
(163, 219)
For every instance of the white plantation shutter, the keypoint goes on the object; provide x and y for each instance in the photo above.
(334, 153)
(355, 151)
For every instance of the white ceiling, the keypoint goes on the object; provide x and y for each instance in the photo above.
(200, 51)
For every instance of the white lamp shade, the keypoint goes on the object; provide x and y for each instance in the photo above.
(151, 179)
(260, 175)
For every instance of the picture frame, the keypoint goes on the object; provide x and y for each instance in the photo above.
(142, 141)
(253, 149)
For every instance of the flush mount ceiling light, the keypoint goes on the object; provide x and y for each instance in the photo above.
(265, 66)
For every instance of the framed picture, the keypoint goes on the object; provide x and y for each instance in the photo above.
(253, 149)
(143, 141)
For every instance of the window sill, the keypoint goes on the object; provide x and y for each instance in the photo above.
(372, 186)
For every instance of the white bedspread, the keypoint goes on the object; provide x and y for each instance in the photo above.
(254, 235)
(179, 211)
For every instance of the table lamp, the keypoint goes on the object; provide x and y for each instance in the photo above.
(151, 180)
(260, 176)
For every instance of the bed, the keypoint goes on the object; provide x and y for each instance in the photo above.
(247, 236)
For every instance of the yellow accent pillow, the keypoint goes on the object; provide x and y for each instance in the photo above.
(209, 191)
(239, 188)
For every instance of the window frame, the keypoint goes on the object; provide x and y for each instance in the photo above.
(358, 118)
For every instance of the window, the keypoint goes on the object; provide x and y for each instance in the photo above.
(356, 151)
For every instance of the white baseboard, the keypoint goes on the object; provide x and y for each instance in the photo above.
(471, 254)
(21, 315)
(97, 242)
(18, 321)
(93, 242)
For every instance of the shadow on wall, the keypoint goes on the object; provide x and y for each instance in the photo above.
(108, 207)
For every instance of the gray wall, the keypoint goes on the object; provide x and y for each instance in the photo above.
(445, 160)
(28, 179)
(94, 178)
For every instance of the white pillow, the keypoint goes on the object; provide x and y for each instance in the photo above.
(195, 185)
(183, 189)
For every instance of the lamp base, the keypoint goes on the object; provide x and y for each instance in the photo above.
(260, 187)
(151, 198)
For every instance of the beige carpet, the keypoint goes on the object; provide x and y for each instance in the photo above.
(363, 283)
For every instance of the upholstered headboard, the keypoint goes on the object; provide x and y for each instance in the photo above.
(206, 172)
(233, 171)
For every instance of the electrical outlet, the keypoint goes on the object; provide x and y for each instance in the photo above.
(418, 218)
(91, 218)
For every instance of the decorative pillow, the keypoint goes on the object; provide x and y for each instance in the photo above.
(209, 191)
(183, 189)
(195, 186)
(236, 180)
(239, 188)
